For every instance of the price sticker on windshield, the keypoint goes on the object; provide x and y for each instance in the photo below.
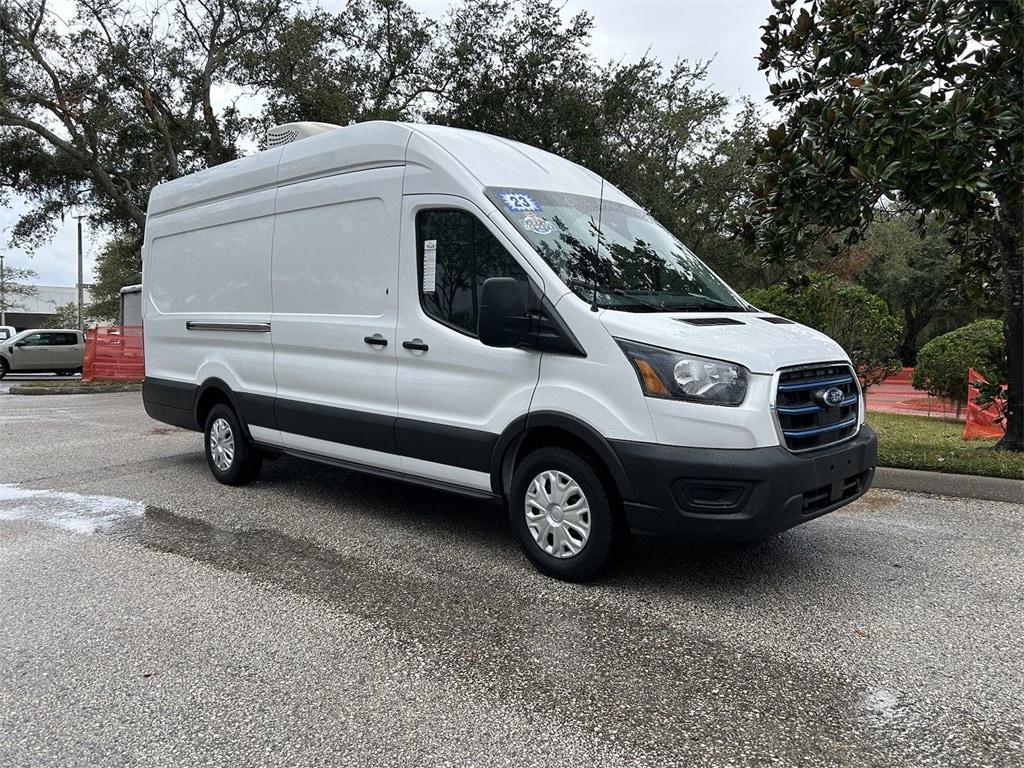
(429, 265)
(519, 202)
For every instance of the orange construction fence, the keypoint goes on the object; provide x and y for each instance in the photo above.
(982, 422)
(114, 352)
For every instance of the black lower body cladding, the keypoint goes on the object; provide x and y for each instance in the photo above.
(741, 495)
(176, 403)
(171, 402)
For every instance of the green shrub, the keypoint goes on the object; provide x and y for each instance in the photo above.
(857, 319)
(942, 363)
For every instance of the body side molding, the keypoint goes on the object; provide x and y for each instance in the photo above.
(200, 325)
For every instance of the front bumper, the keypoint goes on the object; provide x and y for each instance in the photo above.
(741, 495)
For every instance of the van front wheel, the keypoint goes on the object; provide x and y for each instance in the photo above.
(233, 460)
(563, 514)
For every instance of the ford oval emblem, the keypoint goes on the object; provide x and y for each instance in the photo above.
(833, 396)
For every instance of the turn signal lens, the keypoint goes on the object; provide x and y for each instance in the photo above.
(651, 383)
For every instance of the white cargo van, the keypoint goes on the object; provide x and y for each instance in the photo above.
(466, 312)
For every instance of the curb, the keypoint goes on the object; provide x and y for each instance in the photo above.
(23, 389)
(945, 484)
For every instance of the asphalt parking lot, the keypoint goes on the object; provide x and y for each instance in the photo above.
(153, 617)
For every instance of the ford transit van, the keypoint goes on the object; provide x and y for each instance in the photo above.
(469, 313)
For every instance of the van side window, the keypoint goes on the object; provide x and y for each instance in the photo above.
(465, 254)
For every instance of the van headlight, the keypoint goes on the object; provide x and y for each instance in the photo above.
(664, 373)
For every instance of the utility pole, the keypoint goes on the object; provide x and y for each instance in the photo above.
(3, 291)
(81, 318)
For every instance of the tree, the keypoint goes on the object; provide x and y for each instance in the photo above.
(118, 264)
(97, 110)
(857, 319)
(944, 362)
(916, 271)
(910, 102)
(372, 61)
(12, 290)
(660, 134)
(64, 316)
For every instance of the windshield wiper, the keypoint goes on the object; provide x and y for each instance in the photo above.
(632, 295)
(616, 291)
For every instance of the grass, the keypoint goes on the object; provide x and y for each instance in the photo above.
(920, 442)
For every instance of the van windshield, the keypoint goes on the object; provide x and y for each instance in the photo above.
(615, 255)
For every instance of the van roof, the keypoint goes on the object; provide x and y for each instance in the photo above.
(489, 160)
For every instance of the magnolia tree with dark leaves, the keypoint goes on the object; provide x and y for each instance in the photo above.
(908, 103)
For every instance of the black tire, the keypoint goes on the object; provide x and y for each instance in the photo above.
(4, 368)
(245, 461)
(607, 531)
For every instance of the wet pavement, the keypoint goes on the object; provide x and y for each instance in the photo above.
(153, 617)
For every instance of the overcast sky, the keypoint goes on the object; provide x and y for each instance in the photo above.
(724, 31)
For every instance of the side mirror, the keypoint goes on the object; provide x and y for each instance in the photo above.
(502, 321)
(19, 343)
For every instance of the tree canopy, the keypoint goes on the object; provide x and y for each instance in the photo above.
(914, 267)
(97, 109)
(906, 103)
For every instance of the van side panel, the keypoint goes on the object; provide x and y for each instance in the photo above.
(335, 279)
(208, 266)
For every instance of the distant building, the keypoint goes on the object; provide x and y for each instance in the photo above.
(33, 311)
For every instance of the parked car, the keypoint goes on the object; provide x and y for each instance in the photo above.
(473, 314)
(41, 350)
(6, 331)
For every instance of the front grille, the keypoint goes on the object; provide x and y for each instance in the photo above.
(806, 419)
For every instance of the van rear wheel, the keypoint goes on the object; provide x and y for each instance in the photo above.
(232, 458)
(563, 514)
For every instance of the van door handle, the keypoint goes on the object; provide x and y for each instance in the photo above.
(415, 344)
(376, 340)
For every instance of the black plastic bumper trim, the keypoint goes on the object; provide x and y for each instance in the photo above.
(778, 481)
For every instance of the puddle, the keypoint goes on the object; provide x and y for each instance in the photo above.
(75, 512)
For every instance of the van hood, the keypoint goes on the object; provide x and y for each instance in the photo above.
(752, 341)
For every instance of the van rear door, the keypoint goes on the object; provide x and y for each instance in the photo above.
(455, 395)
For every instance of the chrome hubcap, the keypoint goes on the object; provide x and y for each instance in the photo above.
(557, 514)
(222, 444)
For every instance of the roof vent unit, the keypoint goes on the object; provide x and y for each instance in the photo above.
(280, 135)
